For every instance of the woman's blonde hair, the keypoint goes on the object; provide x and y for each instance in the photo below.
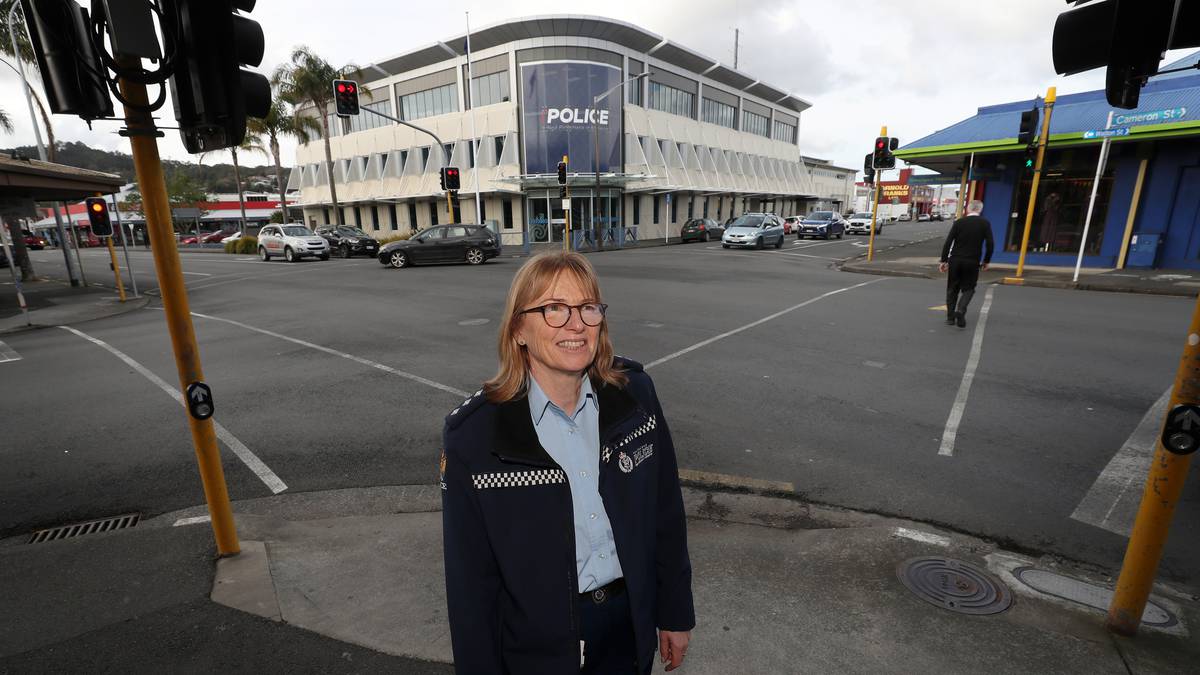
(534, 277)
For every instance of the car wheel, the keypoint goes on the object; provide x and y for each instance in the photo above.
(724, 245)
(399, 259)
(474, 256)
(840, 235)
(779, 244)
(704, 238)
(289, 255)
(759, 244)
(344, 251)
(263, 255)
(324, 256)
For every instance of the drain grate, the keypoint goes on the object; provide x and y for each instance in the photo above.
(954, 585)
(89, 527)
(1089, 595)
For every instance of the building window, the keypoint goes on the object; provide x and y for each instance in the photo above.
(654, 199)
(365, 120)
(715, 112)
(436, 101)
(637, 209)
(499, 141)
(326, 213)
(489, 89)
(508, 216)
(785, 132)
(433, 216)
(1063, 195)
(412, 216)
(424, 158)
(672, 100)
(691, 207)
(357, 218)
(674, 207)
(706, 207)
(635, 88)
(375, 217)
(392, 213)
(756, 124)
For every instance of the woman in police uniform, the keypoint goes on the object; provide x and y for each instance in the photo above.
(563, 523)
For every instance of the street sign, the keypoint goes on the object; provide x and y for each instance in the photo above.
(1163, 115)
(199, 400)
(1181, 434)
(566, 204)
(1106, 133)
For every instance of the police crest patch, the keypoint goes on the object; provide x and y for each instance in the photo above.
(624, 461)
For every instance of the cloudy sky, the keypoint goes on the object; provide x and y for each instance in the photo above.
(916, 67)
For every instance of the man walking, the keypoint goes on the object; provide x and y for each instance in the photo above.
(961, 256)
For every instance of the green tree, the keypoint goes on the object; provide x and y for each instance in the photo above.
(250, 143)
(308, 80)
(27, 57)
(184, 192)
(5, 122)
(281, 121)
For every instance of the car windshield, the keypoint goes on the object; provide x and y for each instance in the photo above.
(821, 215)
(747, 221)
(351, 232)
(862, 215)
(296, 231)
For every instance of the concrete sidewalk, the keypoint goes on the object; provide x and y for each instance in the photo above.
(920, 259)
(56, 303)
(352, 580)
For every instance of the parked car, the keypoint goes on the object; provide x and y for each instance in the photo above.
(823, 224)
(860, 223)
(924, 217)
(791, 224)
(472, 244)
(700, 229)
(214, 237)
(905, 216)
(33, 242)
(347, 241)
(189, 239)
(292, 241)
(754, 229)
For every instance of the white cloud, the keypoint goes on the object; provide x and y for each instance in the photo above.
(916, 67)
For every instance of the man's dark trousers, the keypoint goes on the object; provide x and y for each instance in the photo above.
(960, 285)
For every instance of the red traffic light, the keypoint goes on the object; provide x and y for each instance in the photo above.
(350, 87)
(879, 143)
(341, 88)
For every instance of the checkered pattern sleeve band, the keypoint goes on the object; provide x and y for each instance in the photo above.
(484, 481)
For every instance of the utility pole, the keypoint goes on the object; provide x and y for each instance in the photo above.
(736, 34)
(1051, 95)
(875, 205)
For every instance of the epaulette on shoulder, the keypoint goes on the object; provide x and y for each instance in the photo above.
(624, 363)
(463, 410)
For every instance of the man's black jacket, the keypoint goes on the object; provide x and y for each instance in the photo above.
(967, 237)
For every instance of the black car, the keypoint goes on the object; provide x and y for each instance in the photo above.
(823, 224)
(701, 229)
(472, 244)
(346, 241)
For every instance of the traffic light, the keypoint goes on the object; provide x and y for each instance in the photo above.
(212, 92)
(1030, 157)
(562, 173)
(883, 157)
(74, 77)
(1128, 37)
(868, 169)
(345, 96)
(1029, 124)
(450, 178)
(98, 218)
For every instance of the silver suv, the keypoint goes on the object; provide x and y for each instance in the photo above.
(292, 241)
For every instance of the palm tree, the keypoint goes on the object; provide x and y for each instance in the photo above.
(27, 56)
(308, 79)
(5, 122)
(250, 143)
(280, 122)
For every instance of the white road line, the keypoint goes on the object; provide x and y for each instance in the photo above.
(964, 389)
(761, 321)
(8, 353)
(1118, 484)
(198, 274)
(806, 255)
(191, 521)
(344, 355)
(248, 458)
(923, 537)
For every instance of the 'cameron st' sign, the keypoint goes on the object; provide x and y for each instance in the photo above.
(560, 119)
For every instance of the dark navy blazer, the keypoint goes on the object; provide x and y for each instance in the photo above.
(509, 534)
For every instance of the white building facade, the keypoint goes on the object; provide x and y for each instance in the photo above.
(692, 139)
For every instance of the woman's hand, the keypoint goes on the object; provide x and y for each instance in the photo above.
(673, 646)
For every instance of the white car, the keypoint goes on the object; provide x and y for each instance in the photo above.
(860, 223)
(924, 217)
(292, 241)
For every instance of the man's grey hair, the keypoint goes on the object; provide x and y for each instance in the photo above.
(975, 207)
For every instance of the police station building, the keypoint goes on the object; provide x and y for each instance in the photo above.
(695, 138)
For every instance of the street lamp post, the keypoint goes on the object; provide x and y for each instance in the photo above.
(596, 152)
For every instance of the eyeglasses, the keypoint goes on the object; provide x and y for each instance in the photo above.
(557, 314)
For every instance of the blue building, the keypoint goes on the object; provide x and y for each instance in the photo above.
(1147, 211)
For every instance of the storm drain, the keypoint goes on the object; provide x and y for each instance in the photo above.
(954, 585)
(89, 527)
(1089, 595)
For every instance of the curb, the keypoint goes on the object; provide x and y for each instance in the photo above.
(129, 306)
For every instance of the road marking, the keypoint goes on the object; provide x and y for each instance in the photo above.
(344, 355)
(761, 321)
(1126, 471)
(964, 389)
(198, 274)
(8, 353)
(806, 255)
(923, 537)
(191, 521)
(938, 308)
(248, 458)
(726, 480)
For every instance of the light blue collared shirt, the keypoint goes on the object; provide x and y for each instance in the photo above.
(574, 442)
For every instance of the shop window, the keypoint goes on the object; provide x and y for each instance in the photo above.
(1062, 203)
(508, 214)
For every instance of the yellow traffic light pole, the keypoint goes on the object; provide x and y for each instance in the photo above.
(1051, 94)
(1168, 472)
(116, 268)
(148, 166)
(875, 210)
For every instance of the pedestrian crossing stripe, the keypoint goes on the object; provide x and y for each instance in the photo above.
(939, 308)
(8, 353)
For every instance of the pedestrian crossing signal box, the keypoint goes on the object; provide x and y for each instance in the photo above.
(451, 178)
(98, 217)
(345, 95)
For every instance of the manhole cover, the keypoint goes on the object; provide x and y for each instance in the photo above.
(1090, 595)
(954, 585)
(473, 322)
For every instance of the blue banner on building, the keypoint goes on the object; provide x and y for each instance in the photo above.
(559, 118)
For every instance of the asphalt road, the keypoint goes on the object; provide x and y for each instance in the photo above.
(771, 365)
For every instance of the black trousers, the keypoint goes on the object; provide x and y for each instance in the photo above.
(608, 645)
(960, 284)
